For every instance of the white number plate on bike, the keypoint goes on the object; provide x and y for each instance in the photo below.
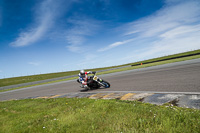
(95, 78)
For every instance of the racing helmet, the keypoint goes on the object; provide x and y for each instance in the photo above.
(82, 72)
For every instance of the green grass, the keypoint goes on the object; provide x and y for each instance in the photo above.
(100, 116)
(26, 79)
(167, 57)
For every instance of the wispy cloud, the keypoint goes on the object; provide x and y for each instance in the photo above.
(165, 19)
(88, 58)
(34, 63)
(45, 14)
(115, 45)
(182, 31)
(81, 28)
(163, 48)
(172, 29)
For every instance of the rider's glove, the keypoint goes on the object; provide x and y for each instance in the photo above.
(93, 72)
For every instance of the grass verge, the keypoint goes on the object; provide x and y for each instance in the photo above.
(88, 115)
(116, 70)
(169, 57)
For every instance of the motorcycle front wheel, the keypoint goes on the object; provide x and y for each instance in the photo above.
(105, 84)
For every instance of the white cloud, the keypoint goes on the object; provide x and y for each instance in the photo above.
(34, 63)
(75, 41)
(80, 30)
(74, 48)
(172, 29)
(115, 45)
(44, 17)
(163, 48)
(182, 31)
(165, 19)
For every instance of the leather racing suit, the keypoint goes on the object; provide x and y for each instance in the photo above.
(83, 79)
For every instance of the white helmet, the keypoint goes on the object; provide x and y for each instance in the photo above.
(82, 72)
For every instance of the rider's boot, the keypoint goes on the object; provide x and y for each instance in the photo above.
(86, 87)
(82, 86)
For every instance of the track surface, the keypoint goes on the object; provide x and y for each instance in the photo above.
(175, 77)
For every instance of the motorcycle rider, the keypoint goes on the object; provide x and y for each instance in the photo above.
(83, 78)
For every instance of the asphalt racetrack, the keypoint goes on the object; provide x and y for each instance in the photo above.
(183, 77)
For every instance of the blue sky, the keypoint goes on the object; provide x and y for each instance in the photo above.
(45, 36)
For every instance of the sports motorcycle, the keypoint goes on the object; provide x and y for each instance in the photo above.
(95, 82)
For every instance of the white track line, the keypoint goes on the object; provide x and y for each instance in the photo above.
(158, 92)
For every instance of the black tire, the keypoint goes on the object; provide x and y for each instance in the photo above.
(106, 84)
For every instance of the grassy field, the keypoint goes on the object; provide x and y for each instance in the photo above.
(26, 79)
(87, 115)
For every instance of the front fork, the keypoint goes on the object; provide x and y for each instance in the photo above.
(100, 81)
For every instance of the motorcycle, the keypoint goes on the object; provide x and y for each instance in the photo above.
(95, 82)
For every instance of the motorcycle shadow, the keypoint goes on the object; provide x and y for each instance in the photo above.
(91, 89)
